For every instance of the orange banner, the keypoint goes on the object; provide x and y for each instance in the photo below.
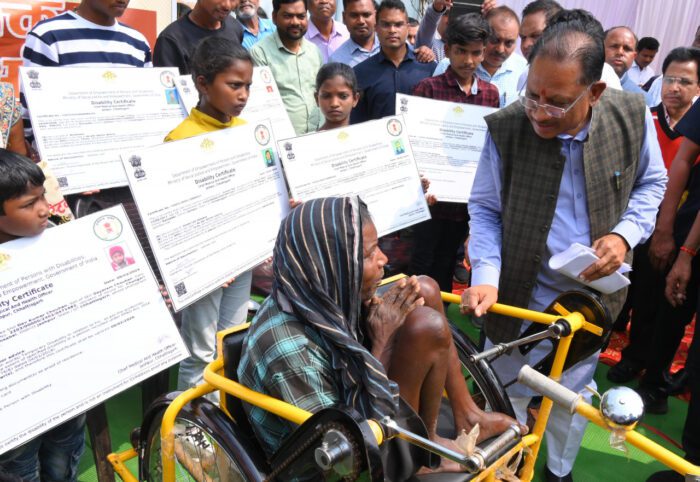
(18, 17)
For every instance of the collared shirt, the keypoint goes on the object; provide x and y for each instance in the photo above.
(295, 74)
(640, 76)
(570, 222)
(339, 34)
(199, 123)
(379, 81)
(505, 78)
(654, 91)
(669, 139)
(629, 86)
(447, 87)
(351, 53)
(265, 28)
(289, 361)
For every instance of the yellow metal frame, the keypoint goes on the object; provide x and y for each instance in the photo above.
(214, 380)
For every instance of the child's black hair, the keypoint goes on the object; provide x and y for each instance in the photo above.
(213, 55)
(466, 28)
(333, 69)
(16, 171)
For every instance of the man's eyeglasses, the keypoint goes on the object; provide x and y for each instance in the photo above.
(550, 110)
(682, 81)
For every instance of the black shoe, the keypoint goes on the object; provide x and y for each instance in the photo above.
(677, 382)
(655, 400)
(550, 477)
(461, 274)
(624, 371)
(621, 323)
(666, 476)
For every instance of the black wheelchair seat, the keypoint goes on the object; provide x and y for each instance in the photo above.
(232, 347)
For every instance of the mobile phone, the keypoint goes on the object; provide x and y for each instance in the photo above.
(460, 7)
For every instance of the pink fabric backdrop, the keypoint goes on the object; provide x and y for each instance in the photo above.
(672, 22)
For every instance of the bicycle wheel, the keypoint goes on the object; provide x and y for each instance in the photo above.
(484, 385)
(208, 447)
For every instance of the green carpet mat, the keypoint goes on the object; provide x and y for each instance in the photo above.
(596, 461)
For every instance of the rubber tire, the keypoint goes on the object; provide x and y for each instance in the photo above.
(483, 374)
(222, 430)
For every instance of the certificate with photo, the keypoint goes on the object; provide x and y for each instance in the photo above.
(447, 139)
(81, 319)
(264, 101)
(187, 92)
(372, 159)
(83, 118)
(211, 206)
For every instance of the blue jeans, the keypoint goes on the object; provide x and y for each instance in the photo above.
(221, 309)
(50, 457)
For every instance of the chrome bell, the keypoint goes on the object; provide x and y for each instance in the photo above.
(621, 407)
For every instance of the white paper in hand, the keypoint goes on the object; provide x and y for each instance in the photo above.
(577, 257)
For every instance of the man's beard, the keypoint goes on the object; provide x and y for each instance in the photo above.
(245, 14)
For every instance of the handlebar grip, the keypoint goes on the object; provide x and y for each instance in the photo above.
(549, 388)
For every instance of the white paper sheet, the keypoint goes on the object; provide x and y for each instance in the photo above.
(446, 139)
(577, 257)
(211, 206)
(372, 159)
(75, 327)
(83, 118)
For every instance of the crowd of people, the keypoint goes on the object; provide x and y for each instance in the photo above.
(588, 144)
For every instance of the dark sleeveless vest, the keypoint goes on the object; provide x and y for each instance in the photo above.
(532, 172)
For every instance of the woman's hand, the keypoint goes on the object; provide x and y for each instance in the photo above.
(388, 312)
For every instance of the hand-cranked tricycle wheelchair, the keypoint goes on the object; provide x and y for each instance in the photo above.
(184, 436)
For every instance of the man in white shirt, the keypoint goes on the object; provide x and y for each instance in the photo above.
(536, 17)
(641, 72)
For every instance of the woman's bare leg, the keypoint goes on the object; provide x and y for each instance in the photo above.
(466, 413)
(418, 363)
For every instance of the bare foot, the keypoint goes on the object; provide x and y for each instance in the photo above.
(445, 464)
(490, 423)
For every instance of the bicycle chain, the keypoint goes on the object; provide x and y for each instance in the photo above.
(315, 436)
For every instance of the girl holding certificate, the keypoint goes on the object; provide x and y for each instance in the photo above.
(336, 94)
(223, 73)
